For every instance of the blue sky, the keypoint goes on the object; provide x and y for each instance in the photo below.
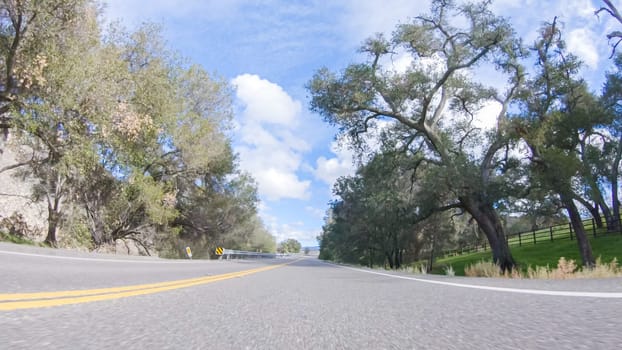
(270, 49)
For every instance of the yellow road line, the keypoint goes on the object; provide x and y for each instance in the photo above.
(47, 299)
(84, 292)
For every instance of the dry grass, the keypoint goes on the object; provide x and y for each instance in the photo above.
(489, 269)
(611, 269)
(483, 269)
(566, 269)
(417, 269)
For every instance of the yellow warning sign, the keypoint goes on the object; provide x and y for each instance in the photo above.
(219, 250)
(189, 252)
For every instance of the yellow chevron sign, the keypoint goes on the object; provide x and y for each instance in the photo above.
(219, 250)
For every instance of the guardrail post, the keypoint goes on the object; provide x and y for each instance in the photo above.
(534, 236)
(551, 232)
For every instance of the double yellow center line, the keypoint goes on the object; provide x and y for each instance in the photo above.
(17, 301)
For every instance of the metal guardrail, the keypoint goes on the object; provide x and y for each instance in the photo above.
(242, 254)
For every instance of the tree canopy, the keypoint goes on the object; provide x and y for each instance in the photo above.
(123, 137)
(553, 143)
(289, 245)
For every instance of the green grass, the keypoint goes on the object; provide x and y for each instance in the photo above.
(541, 254)
(7, 237)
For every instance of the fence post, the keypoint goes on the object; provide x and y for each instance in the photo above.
(551, 232)
(570, 227)
(520, 243)
(534, 236)
(593, 227)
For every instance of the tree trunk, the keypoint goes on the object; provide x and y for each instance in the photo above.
(54, 196)
(389, 259)
(53, 219)
(599, 201)
(609, 218)
(593, 209)
(431, 259)
(96, 226)
(585, 249)
(490, 223)
(615, 201)
(615, 205)
(396, 252)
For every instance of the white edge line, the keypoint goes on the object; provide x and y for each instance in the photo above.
(98, 259)
(609, 295)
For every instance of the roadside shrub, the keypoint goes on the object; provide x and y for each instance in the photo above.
(75, 234)
(489, 269)
(417, 268)
(16, 226)
(449, 271)
(567, 269)
(483, 269)
(601, 269)
(539, 272)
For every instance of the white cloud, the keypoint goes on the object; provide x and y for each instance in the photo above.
(296, 230)
(486, 117)
(135, 11)
(269, 150)
(362, 19)
(276, 184)
(294, 141)
(329, 169)
(253, 133)
(265, 101)
(286, 231)
(398, 62)
(577, 8)
(315, 212)
(581, 43)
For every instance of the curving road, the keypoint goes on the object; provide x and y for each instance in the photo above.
(90, 301)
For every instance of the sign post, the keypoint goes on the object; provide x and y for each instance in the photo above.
(189, 253)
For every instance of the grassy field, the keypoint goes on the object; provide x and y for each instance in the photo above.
(540, 254)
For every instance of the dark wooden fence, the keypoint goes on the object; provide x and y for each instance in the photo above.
(549, 234)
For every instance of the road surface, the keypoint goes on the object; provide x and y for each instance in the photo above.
(89, 301)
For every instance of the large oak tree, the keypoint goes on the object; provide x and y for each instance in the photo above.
(429, 107)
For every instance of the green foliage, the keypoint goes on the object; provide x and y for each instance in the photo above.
(426, 112)
(290, 245)
(76, 234)
(8, 237)
(383, 215)
(15, 229)
(558, 116)
(120, 126)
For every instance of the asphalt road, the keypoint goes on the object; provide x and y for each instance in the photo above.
(298, 303)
